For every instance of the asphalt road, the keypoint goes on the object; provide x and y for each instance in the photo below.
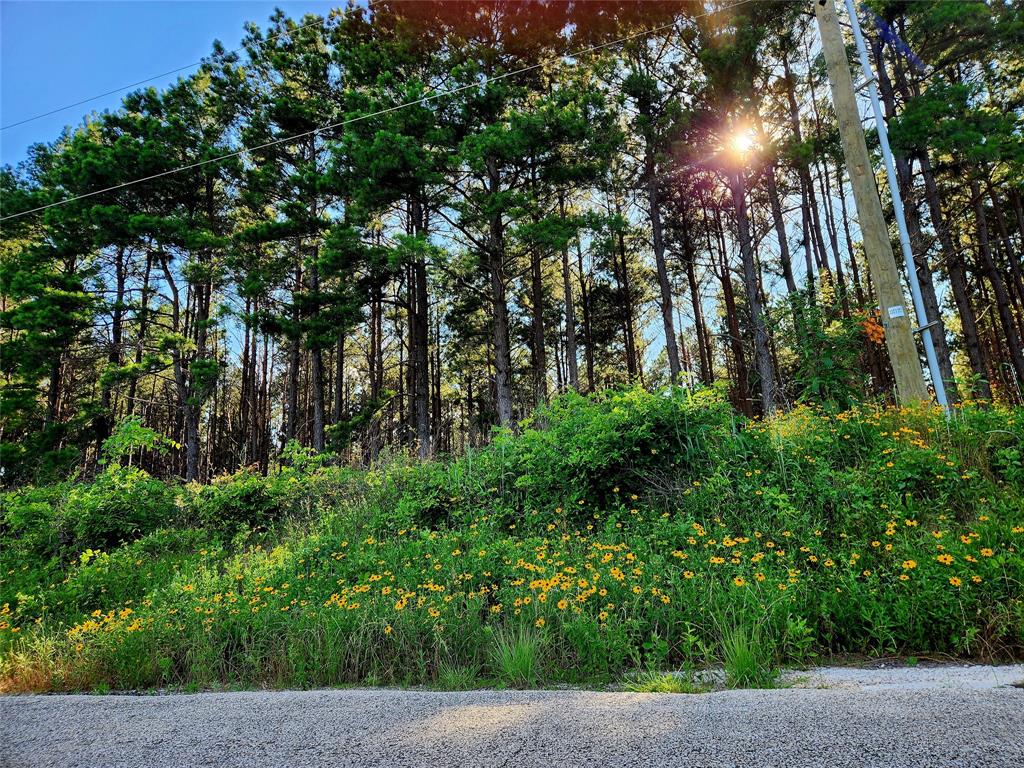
(932, 727)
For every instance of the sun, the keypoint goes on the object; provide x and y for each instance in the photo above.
(742, 141)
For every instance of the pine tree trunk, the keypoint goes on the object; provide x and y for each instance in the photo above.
(665, 286)
(1013, 345)
(244, 396)
(858, 288)
(571, 366)
(956, 272)
(785, 260)
(143, 328)
(499, 308)
(437, 425)
(540, 362)
(104, 421)
(762, 353)
(317, 368)
(339, 380)
(1007, 244)
(421, 341)
(817, 243)
(588, 333)
(741, 379)
(699, 326)
(628, 310)
(833, 236)
(294, 361)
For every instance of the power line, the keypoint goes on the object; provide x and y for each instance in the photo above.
(153, 77)
(378, 113)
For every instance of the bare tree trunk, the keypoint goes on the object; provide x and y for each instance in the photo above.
(785, 260)
(956, 271)
(142, 318)
(665, 286)
(291, 420)
(339, 380)
(540, 361)
(707, 375)
(421, 340)
(844, 297)
(817, 243)
(115, 354)
(628, 310)
(262, 420)
(499, 308)
(857, 287)
(317, 368)
(572, 368)
(588, 334)
(998, 286)
(244, 455)
(740, 377)
(436, 404)
(1007, 243)
(762, 353)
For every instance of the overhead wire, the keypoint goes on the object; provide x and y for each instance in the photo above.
(358, 118)
(145, 80)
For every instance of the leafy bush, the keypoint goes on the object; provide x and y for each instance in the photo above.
(579, 450)
(28, 526)
(129, 437)
(242, 500)
(123, 503)
(128, 573)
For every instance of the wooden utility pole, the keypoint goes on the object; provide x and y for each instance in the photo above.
(899, 337)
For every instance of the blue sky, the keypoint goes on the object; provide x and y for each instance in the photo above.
(53, 53)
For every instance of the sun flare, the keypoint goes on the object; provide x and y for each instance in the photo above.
(743, 141)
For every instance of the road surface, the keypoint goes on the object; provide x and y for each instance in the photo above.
(933, 724)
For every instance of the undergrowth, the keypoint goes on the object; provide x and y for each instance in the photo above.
(619, 532)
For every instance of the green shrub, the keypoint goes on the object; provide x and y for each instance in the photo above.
(123, 503)
(240, 501)
(579, 450)
(127, 574)
(29, 521)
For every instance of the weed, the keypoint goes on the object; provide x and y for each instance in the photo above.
(748, 657)
(650, 681)
(454, 677)
(515, 655)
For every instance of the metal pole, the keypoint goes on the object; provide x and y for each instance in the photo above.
(897, 205)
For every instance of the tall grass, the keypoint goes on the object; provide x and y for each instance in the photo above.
(748, 657)
(515, 656)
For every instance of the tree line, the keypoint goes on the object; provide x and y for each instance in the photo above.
(391, 229)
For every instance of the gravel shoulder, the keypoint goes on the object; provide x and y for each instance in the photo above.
(932, 718)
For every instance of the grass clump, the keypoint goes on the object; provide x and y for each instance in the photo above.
(455, 677)
(748, 658)
(650, 681)
(515, 656)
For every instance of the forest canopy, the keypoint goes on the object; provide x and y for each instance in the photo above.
(394, 228)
